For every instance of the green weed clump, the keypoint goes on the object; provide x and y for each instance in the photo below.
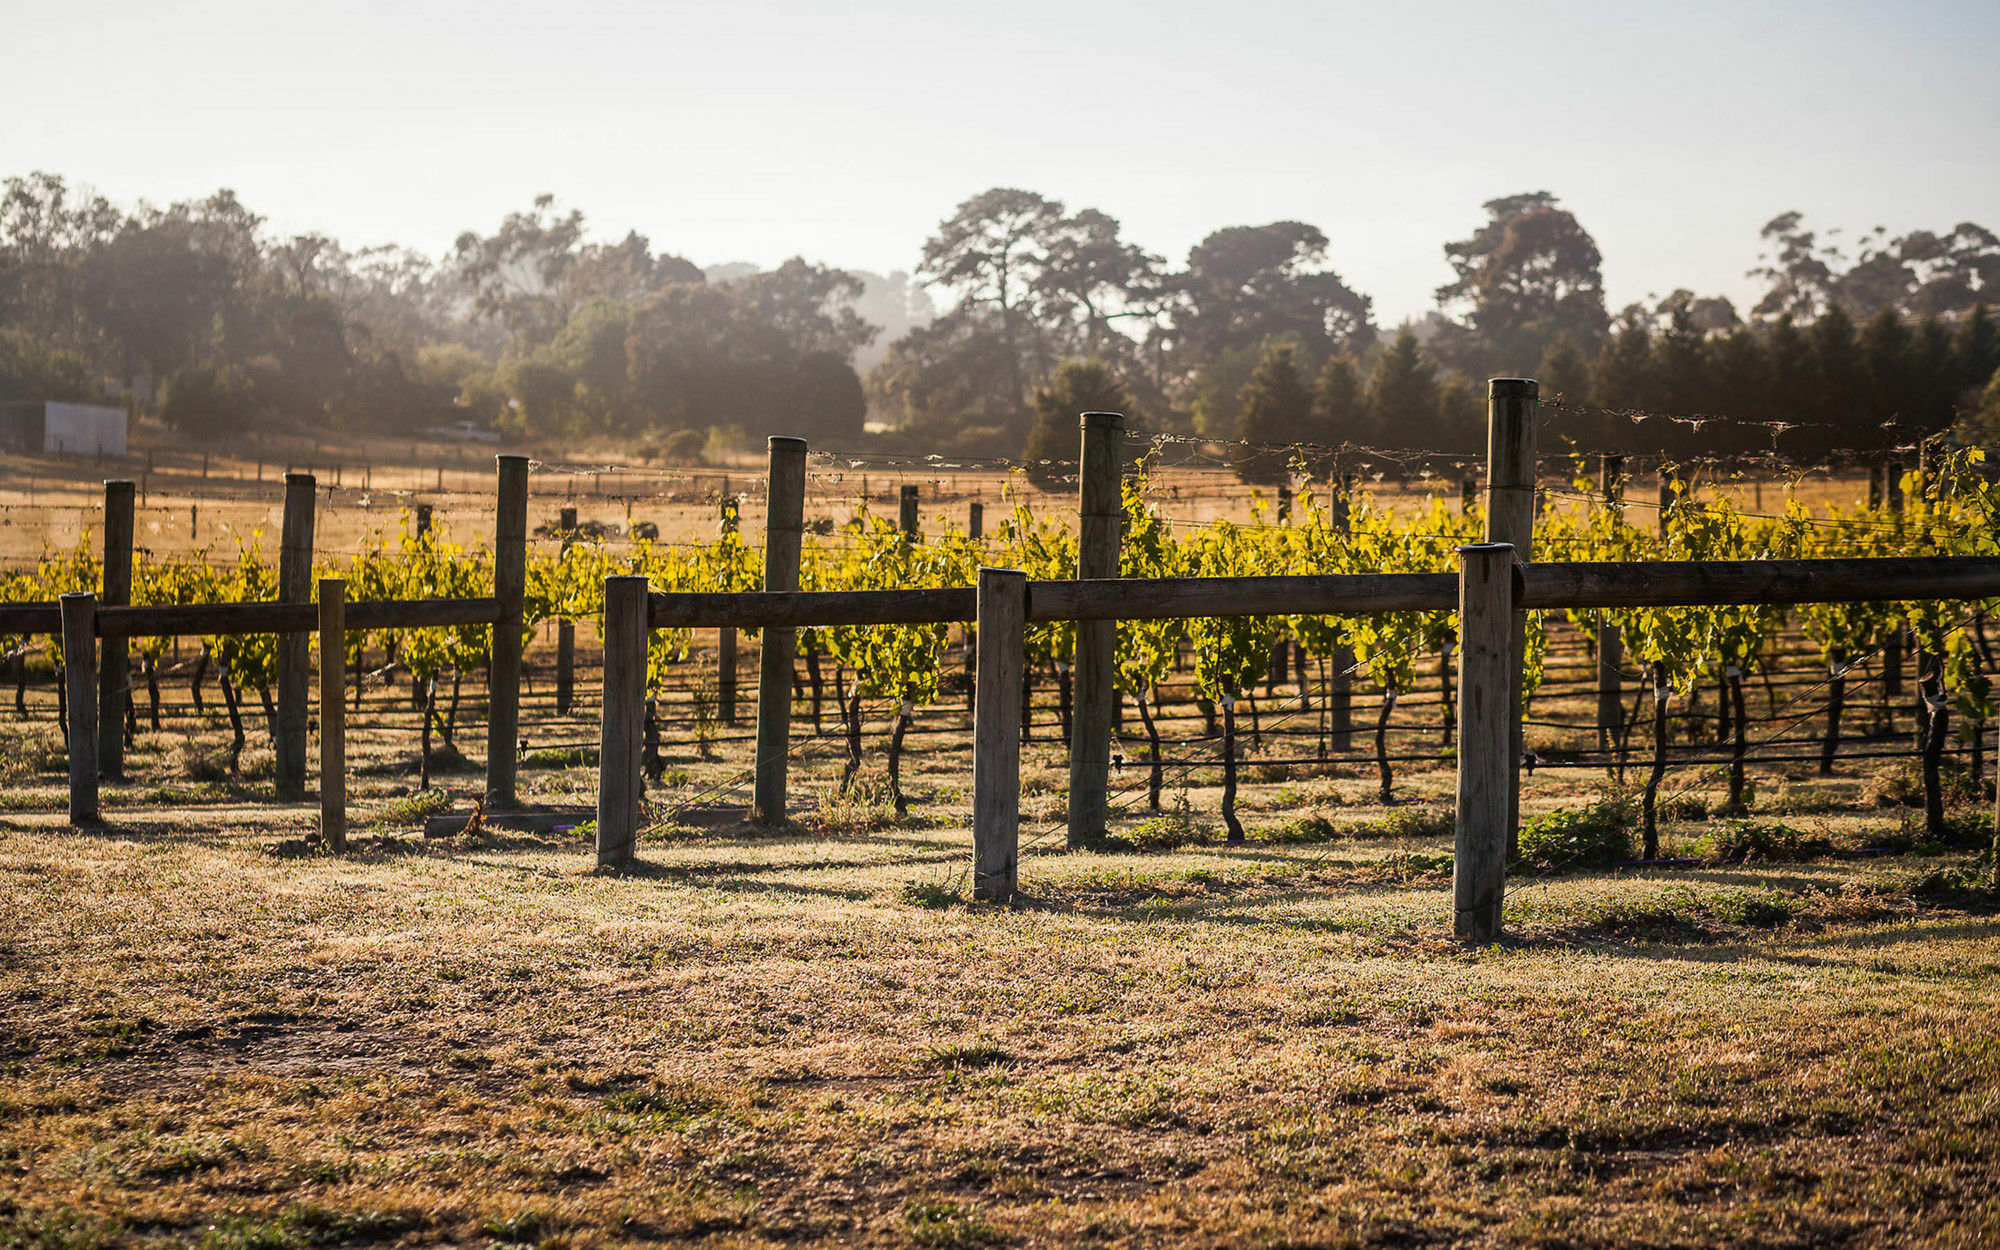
(1902, 785)
(1432, 821)
(931, 895)
(1303, 831)
(411, 812)
(1760, 841)
(561, 757)
(1586, 837)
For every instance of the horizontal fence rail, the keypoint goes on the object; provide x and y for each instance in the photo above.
(1488, 765)
(172, 620)
(1554, 586)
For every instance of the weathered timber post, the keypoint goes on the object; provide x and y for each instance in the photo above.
(1610, 641)
(510, 587)
(424, 518)
(333, 713)
(619, 786)
(1002, 616)
(114, 665)
(1487, 729)
(1510, 518)
(1340, 695)
(1100, 508)
(1284, 504)
(1892, 646)
(908, 520)
(566, 631)
(295, 557)
(725, 638)
(975, 520)
(784, 520)
(79, 637)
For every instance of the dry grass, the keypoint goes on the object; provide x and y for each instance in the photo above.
(753, 1041)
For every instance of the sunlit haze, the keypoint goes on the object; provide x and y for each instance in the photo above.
(845, 133)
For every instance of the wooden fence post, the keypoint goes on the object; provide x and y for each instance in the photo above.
(1510, 518)
(510, 586)
(1002, 615)
(1340, 693)
(618, 781)
(975, 520)
(295, 557)
(566, 632)
(1100, 509)
(79, 635)
(1610, 641)
(424, 519)
(333, 713)
(725, 641)
(784, 519)
(1892, 646)
(908, 519)
(1487, 727)
(114, 665)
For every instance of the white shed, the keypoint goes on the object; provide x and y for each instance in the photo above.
(58, 429)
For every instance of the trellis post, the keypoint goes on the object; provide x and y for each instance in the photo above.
(1510, 518)
(1487, 728)
(566, 631)
(1002, 614)
(79, 637)
(114, 665)
(1340, 692)
(295, 556)
(619, 786)
(1100, 508)
(333, 713)
(1610, 641)
(510, 586)
(725, 639)
(784, 519)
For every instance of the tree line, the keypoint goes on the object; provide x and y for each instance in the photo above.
(538, 330)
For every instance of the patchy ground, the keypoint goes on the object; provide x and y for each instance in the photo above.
(754, 1041)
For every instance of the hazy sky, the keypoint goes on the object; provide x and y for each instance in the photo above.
(753, 131)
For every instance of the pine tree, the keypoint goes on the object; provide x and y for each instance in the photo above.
(1623, 374)
(1976, 348)
(1791, 381)
(1403, 391)
(1735, 376)
(1076, 387)
(1461, 416)
(1340, 405)
(1838, 400)
(1277, 408)
(1564, 376)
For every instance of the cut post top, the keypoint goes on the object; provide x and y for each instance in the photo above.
(299, 479)
(1475, 549)
(1513, 388)
(511, 460)
(1103, 420)
(786, 442)
(119, 486)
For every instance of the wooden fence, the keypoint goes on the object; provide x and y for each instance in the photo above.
(1492, 590)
